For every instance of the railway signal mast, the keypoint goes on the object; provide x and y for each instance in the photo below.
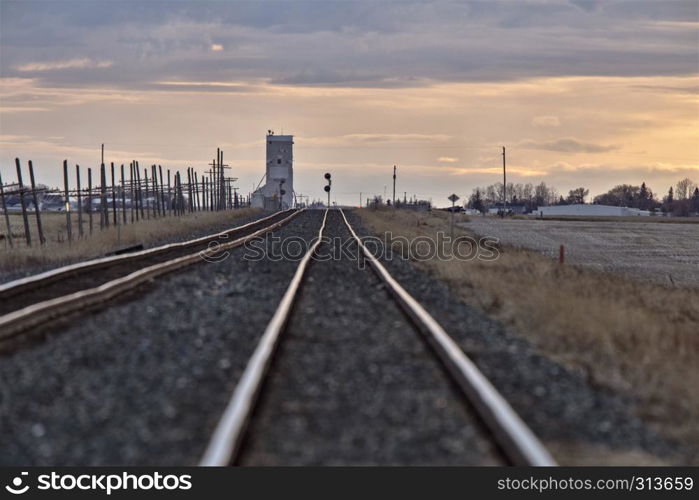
(327, 187)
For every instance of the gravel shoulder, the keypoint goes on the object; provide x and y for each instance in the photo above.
(581, 424)
(144, 382)
(353, 383)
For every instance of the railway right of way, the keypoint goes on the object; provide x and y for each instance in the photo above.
(143, 381)
(30, 302)
(22, 292)
(352, 370)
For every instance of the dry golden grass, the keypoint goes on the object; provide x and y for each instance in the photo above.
(58, 251)
(635, 338)
(643, 219)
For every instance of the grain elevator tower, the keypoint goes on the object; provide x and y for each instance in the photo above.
(279, 174)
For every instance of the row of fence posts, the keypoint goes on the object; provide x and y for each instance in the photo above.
(212, 193)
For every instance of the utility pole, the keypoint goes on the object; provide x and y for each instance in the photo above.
(218, 181)
(360, 199)
(504, 185)
(394, 187)
(102, 153)
(7, 216)
(453, 198)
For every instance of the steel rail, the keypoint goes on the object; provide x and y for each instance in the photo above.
(517, 441)
(24, 284)
(227, 437)
(34, 315)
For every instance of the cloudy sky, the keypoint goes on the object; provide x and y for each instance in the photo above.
(582, 92)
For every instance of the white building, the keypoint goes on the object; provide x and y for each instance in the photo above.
(279, 174)
(588, 211)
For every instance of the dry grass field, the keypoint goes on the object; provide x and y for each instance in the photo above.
(664, 253)
(58, 251)
(637, 338)
(640, 219)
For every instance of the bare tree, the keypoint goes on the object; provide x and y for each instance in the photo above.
(684, 189)
(577, 195)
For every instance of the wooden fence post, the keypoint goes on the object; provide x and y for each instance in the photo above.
(188, 205)
(222, 175)
(159, 199)
(7, 216)
(39, 227)
(196, 190)
(80, 202)
(212, 182)
(145, 180)
(222, 186)
(27, 233)
(123, 196)
(133, 192)
(104, 218)
(181, 192)
(158, 192)
(69, 223)
(211, 186)
(169, 194)
(89, 197)
(155, 191)
(192, 190)
(205, 193)
(137, 169)
(162, 191)
(189, 190)
(114, 205)
(175, 199)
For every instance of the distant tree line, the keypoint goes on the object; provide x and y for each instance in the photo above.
(533, 196)
(681, 200)
(627, 195)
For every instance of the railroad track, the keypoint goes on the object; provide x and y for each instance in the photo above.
(31, 302)
(516, 442)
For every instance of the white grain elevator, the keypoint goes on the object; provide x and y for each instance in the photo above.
(279, 174)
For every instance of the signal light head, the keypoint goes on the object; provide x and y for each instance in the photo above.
(327, 189)
(327, 176)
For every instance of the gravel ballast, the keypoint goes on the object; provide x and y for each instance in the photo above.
(145, 381)
(353, 383)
